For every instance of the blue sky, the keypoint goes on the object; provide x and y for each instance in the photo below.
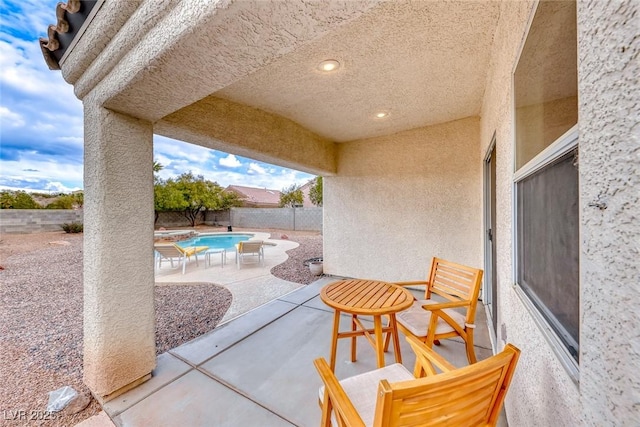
(41, 124)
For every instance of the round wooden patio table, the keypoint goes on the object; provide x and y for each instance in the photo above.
(369, 298)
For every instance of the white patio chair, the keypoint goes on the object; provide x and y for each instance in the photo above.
(171, 251)
(250, 248)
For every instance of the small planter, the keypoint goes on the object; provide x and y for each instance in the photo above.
(315, 267)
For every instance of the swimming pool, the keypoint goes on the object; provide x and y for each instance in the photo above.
(218, 240)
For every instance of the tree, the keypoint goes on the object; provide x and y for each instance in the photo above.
(163, 197)
(199, 195)
(228, 200)
(167, 197)
(291, 197)
(315, 191)
(191, 195)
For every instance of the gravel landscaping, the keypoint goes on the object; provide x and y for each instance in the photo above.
(41, 317)
(293, 269)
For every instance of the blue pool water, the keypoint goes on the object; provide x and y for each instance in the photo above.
(224, 241)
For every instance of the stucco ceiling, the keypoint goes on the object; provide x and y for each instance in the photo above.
(422, 62)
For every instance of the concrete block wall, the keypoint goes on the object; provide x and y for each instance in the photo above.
(307, 219)
(175, 219)
(304, 219)
(42, 220)
(218, 217)
(24, 221)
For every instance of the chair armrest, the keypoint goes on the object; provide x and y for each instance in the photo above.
(188, 251)
(337, 396)
(444, 305)
(414, 283)
(426, 359)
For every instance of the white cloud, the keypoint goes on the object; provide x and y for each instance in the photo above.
(180, 149)
(40, 173)
(30, 15)
(255, 168)
(230, 161)
(277, 181)
(9, 118)
(24, 69)
(75, 139)
(58, 187)
(43, 127)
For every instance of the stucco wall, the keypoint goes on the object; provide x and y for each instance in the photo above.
(609, 109)
(399, 200)
(227, 126)
(542, 392)
(119, 319)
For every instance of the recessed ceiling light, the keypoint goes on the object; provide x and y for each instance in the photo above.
(329, 65)
(381, 114)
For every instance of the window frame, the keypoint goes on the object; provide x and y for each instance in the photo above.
(561, 146)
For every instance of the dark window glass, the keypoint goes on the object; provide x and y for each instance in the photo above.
(548, 245)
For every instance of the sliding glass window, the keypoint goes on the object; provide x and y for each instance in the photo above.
(546, 177)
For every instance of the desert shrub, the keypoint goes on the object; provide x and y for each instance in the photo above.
(17, 200)
(6, 199)
(78, 199)
(73, 227)
(62, 202)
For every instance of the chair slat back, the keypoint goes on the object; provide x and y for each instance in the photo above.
(168, 251)
(455, 282)
(469, 396)
(250, 246)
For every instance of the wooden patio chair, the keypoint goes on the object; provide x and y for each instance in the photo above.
(458, 287)
(173, 251)
(391, 396)
(250, 248)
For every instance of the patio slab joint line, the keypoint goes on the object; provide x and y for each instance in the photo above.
(243, 394)
(246, 336)
(195, 367)
(251, 310)
(182, 359)
(296, 303)
(115, 413)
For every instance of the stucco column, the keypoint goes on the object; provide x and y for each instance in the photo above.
(609, 112)
(119, 325)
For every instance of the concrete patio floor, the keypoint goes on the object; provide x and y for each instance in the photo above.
(257, 370)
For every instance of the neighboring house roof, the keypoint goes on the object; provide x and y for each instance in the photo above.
(252, 196)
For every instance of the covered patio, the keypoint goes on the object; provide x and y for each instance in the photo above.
(498, 134)
(258, 368)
